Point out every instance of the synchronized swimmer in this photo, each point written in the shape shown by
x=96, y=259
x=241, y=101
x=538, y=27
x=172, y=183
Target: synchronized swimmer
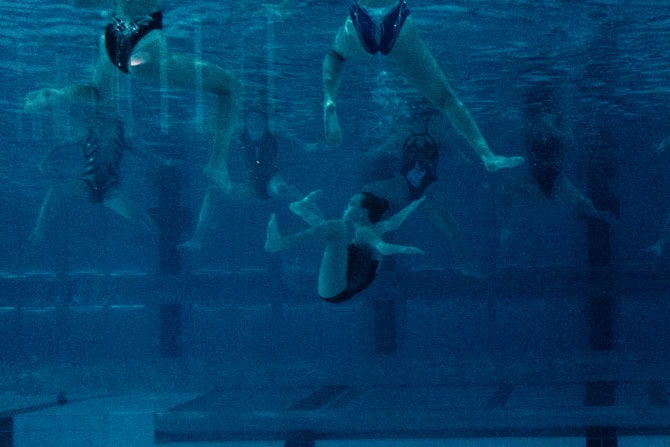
x=133, y=44
x=386, y=27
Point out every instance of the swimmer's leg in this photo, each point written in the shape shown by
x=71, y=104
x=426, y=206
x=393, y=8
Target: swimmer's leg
x=333, y=268
x=204, y=221
x=331, y=71
x=569, y=194
x=273, y=241
x=129, y=210
x=38, y=230
x=227, y=112
x=421, y=69
x=345, y=47
x=192, y=73
x=54, y=196
x=307, y=209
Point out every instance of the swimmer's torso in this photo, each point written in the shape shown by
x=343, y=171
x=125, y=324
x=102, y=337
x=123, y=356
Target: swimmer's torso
x=102, y=151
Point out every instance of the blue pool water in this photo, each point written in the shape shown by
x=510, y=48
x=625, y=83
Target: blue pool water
x=526, y=289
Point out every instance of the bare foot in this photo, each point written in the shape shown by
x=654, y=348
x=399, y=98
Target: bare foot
x=307, y=209
x=495, y=162
x=332, y=124
x=272, y=236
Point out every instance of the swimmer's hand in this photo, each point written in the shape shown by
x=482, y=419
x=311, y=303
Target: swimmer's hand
x=307, y=209
x=496, y=162
x=412, y=251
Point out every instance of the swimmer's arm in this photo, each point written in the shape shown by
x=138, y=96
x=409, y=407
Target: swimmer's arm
x=368, y=236
x=396, y=220
x=37, y=100
x=387, y=249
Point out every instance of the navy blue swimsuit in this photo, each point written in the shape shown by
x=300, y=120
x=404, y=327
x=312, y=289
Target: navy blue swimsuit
x=260, y=156
x=418, y=163
x=123, y=34
x=378, y=35
x=102, y=153
x=544, y=158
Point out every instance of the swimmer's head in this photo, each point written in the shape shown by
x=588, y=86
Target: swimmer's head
x=365, y=208
x=374, y=205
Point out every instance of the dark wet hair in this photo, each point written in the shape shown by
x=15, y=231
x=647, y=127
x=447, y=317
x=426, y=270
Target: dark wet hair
x=375, y=205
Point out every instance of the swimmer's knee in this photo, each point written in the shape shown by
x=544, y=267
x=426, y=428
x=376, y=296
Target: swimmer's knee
x=446, y=100
x=332, y=63
x=336, y=55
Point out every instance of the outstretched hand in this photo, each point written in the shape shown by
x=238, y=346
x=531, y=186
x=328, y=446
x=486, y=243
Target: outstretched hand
x=495, y=162
x=387, y=249
x=412, y=251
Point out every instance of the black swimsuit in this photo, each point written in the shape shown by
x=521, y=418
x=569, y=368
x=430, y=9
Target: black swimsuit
x=123, y=34
x=361, y=271
x=260, y=156
x=102, y=152
x=545, y=161
x=418, y=163
x=378, y=34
